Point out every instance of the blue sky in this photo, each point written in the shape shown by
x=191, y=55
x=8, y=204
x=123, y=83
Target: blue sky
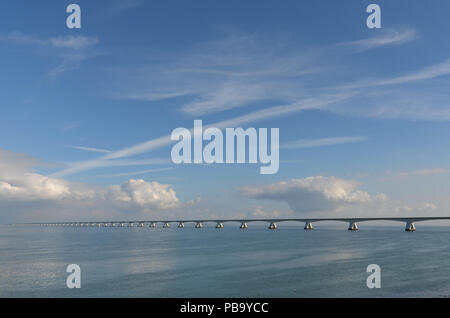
x=371, y=135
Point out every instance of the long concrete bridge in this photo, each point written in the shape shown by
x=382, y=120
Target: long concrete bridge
x=273, y=223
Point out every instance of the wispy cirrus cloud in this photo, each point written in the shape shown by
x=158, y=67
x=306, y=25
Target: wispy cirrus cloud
x=429, y=72
x=233, y=64
x=74, y=42
x=90, y=149
x=72, y=50
x=387, y=38
x=259, y=115
x=240, y=70
x=321, y=142
x=136, y=173
x=421, y=172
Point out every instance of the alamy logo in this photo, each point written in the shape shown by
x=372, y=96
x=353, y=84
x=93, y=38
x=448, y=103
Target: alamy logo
x=74, y=279
x=374, y=279
x=241, y=146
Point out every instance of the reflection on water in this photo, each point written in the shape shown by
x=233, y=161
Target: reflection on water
x=288, y=262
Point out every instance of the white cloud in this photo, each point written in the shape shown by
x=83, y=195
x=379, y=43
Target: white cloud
x=422, y=172
x=25, y=192
x=311, y=194
x=389, y=37
x=91, y=149
x=238, y=70
x=145, y=194
x=218, y=84
x=226, y=96
x=72, y=50
x=216, y=76
x=73, y=167
x=135, y=173
x=263, y=114
x=319, y=196
x=35, y=187
x=311, y=143
x=426, y=73
x=72, y=42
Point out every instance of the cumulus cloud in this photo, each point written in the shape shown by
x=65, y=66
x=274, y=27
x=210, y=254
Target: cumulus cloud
x=32, y=186
x=29, y=194
x=143, y=193
x=19, y=181
x=310, y=194
x=320, y=196
x=36, y=187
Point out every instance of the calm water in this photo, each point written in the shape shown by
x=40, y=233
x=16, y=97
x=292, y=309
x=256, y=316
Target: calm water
x=288, y=262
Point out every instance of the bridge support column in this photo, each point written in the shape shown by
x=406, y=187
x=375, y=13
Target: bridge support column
x=219, y=225
x=273, y=226
x=199, y=225
x=181, y=225
x=153, y=224
x=244, y=226
x=166, y=225
x=308, y=226
x=410, y=227
x=130, y=224
x=122, y=224
x=353, y=226
x=141, y=225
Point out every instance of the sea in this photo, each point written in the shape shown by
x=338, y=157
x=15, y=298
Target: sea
x=229, y=262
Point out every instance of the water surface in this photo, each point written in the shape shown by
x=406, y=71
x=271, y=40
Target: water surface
x=208, y=262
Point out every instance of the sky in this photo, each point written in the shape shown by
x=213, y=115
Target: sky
x=86, y=114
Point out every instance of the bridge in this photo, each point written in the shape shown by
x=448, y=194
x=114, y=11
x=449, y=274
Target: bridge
x=273, y=223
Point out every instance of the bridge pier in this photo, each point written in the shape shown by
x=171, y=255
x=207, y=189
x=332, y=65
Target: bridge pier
x=199, y=225
x=153, y=224
x=410, y=227
x=219, y=225
x=308, y=226
x=273, y=226
x=353, y=226
x=166, y=225
x=181, y=225
x=130, y=224
x=244, y=226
